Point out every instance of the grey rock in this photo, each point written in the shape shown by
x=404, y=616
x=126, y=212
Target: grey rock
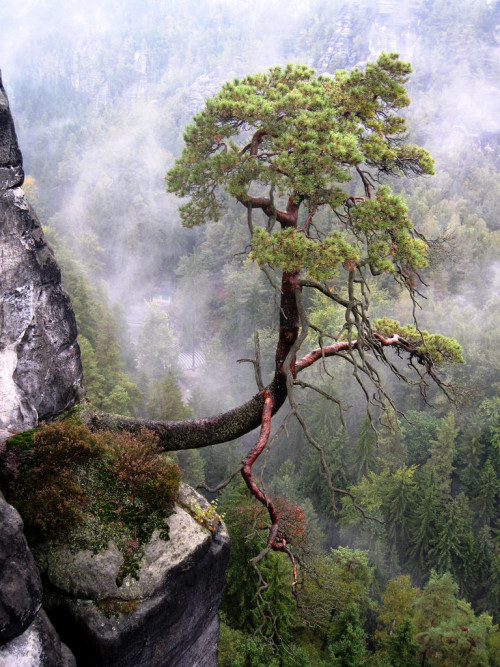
x=40, y=366
x=175, y=619
x=20, y=584
x=11, y=161
x=38, y=646
x=93, y=576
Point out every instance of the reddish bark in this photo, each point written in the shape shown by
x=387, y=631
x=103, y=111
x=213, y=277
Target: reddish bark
x=289, y=321
x=250, y=459
x=273, y=542
x=286, y=218
x=330, y=350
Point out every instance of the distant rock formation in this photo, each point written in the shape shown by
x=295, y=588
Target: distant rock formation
x=40, y=367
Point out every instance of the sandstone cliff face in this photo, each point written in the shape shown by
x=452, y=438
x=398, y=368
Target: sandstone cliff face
x=167, y=617
x=27, y=638
x=40, y=368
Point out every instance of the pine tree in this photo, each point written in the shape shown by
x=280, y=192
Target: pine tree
x=348, y=644
x=423, y=522
x=442, y=455
x=364, y=450
x=400, y=648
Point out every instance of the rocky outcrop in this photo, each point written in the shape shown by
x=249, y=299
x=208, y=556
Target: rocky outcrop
x=38, y=646
x=20, y=585
x=166, y=617
x=11, y=161
x=27, y=638
x=40, y=368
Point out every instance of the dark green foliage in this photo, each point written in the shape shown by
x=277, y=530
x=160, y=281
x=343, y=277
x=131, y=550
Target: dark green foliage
x=448, y=631
x=237, y=649
x=364, y=451
x=348, y=644
x=165, y=401
x=158, y=349
x=400, y=648
x=419, y=428
x=247, y=527
x=424, y=521
x=442, y=456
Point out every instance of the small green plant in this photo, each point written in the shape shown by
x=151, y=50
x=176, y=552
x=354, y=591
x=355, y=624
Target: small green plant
x=89, y=488
x=206, y=516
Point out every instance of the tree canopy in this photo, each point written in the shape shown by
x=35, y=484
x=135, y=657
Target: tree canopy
x=304, y=136
x=311, y=154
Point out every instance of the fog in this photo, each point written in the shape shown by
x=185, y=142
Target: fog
x=101, y=92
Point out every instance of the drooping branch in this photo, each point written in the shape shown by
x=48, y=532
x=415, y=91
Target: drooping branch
x=250, y=459
x=273, y=542
x=335, y=348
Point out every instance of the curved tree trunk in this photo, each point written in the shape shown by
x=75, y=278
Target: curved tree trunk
x=195, y=433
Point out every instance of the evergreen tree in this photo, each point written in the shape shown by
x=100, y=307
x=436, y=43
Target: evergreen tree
x=442, y=455
x=424, y=521
x=397, y=605
x=364, y=450
x=400, y=647
x=165, y=401
x=398, y=504
x=158, y=348
x=454, y=548
x=348, y=644
x=485, y=501
x=448, y=631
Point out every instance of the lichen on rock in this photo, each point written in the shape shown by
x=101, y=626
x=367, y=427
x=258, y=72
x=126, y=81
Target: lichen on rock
x=167, y=616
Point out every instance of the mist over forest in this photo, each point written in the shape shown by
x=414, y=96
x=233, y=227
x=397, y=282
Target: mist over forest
x=101, y=93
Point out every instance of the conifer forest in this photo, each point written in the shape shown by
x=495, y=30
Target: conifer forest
x=289, y=213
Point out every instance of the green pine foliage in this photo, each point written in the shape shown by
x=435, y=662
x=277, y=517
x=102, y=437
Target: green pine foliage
x=348, y=643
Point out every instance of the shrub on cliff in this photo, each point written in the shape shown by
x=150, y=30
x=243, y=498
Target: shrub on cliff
x=89, y=488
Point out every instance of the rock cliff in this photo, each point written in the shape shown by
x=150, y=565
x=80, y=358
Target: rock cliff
x=27, y=637
x=169, y=616
x=40, y=368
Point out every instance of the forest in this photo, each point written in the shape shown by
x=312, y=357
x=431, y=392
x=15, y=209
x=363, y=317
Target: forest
x=169, y=315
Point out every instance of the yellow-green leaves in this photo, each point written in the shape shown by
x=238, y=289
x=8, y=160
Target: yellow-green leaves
x=309, y=134
x=384, y=223
x=291, y=250
x=438, y=347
